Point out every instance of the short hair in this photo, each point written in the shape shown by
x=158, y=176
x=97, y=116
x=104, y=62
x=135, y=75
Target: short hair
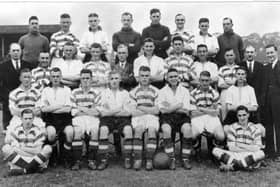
x=202, y=45
x=172, y=70
x=25, y=70
x=33, y=18
x=148, y=40
x=93, y=15
x=96, y=45
x=144, y=68
x=271, y=45
x=228, y=49
x=69, y=43
x=203, y=20
x=205, y=74
x=241, y=68
x=55, y=69
x=154, y=10
x=242, y=107
x=114, y=71
x=65, y=15
x=122, y=46
x=177, y=38
x=14, y=43
x=27, y=111
x=228, y=19
x=127, y=14
x=86, y=71
x=179, y=15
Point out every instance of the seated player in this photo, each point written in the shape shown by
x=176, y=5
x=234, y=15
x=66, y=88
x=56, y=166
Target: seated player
x=56, y=106
x=99, y=68
x=174, y=104
x=69, y=65
x=41, y=74
x=155, y=63
x=181, y=62
x=244, y=144
x=144, y=118
x=85, y=100
x=115, y=114
x=23, y=97
x=24, y=148
x=204, y=114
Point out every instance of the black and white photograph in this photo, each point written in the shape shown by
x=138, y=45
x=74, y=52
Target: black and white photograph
x=140, y=93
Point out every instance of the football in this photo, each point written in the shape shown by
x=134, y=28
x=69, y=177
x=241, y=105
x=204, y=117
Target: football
x=161, y=160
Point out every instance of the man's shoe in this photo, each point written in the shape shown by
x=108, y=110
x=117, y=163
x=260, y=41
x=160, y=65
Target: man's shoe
x=187, y=164
x=103, y=165
x=226, y=168
x=92, y=165
x=76, y=166
x=277, y=159
x=127, y=163
x=149, y=165
x=172, y=164
x=66, y=164
x=15, y=172
x=137, y=165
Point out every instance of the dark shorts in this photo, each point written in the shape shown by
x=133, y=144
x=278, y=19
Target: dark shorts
x=175, y=120
x=115, y=123
x=58, y=121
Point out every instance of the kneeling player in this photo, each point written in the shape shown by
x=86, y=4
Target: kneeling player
x=144, y=118
x=174, y=104
x=85, y=122
x=244, y=143
x=115, y=116
x=205, y=111
x=24, y=150
x=56, y=107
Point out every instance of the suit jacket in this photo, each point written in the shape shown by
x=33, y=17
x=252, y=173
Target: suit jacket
x=9, y=78
x=128, y=80
x=255, y=78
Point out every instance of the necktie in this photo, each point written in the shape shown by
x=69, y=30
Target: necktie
x=251, y=67
x=17, y=65
x=122, y=65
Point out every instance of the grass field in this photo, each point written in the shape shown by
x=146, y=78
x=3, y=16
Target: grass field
x=202, y=174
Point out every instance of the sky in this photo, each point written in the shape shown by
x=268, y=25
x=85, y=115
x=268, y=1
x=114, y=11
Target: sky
x=248, y=17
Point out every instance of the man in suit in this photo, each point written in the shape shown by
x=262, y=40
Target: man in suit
x=9, y=79
x=125, y=67
x=272, y=102
x=254, y=73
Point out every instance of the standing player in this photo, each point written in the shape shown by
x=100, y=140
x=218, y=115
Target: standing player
x=174, y=104
x=205, y=104
x=24, y=97
x=144, y=118
x=85, y=122
x=24, y=148
x=99, y=68
x=41, y=74
x=115, y=114
x=181, y=62
x=244, y=143
x=56, y=107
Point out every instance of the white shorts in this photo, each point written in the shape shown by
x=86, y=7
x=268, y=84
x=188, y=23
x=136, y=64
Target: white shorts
x=146, y=121
x=16, y=121
x=86, y=123
x=208, y=122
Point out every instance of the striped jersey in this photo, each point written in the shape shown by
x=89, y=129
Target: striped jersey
x=59, y=39
x=85, y=99
x=23, y=99
x=40, y=77
x=32, y=137
x=184, y=66
x=145, y=96
x=201, y=98
x=227, y=73
x=250, y=135
x=99, y=69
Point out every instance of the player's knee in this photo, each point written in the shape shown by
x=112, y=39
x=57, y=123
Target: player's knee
x=51, y=133
x=138, y=131
x=104, y=132
x=152, y=132
x=166, y=129
x=94, y=134
x=69, y=133
x=127, y=131
x=226, y=129
x=78, y=133
x=47, y=150
x=219, y=133
x=186, y=130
